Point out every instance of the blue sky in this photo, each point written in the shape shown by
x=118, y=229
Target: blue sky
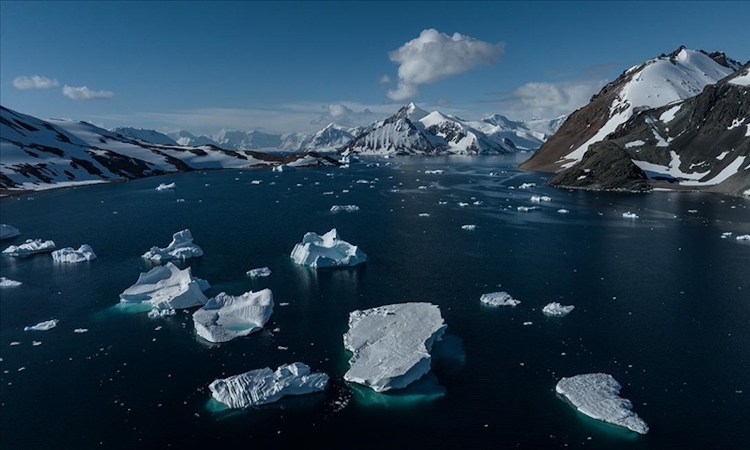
x=287, y=66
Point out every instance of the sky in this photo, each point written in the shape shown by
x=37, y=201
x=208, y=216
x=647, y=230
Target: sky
x=294, y=67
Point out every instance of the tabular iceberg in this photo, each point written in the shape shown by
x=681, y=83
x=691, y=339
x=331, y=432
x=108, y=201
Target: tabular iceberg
x=225, y=317
x=556, y=309
x=498, y=299
x=326, y=251
x=29, y=248
x=391, y=344
x=181, y=247
x=8, y=231
x=42, y=326
x=167, y=287
x=596, y=395
x=70, y=255
x=262, y=386
x=6, y=283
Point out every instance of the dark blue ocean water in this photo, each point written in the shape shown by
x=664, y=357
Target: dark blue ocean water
x=662, y=304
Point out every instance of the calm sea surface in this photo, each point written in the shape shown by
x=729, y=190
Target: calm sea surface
x=662, y=303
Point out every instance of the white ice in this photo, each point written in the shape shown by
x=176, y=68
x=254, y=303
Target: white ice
x=259, y=272
x=181, y=247
x=29, y=248
x=164, y=186
x=344, y=208
x=538, y=198
x=42, y=326
x=629, y=215
x=470, y=227
x=226, y=317
x=744, y=237
x=326, y=251
x=527, y=208
x=6, y=283
x=157, y=313
x=556, y=309
x=71, y=255
x=167, y=287
x=498, y=299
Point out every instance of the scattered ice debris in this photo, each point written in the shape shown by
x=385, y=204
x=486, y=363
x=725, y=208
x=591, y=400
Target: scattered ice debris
x=36, y=343
x=435, y=172
x=537, y=199
x=283, y=168
x=30, y=247
x=424, y=214
x=259, y=272
x=226, y=317
x=527, y=208
x=498, y=299
x=463, y=204
x=167, y=287
x=596, y=395
x=81, y=330
x=629, y=215
x=563, y=211
x=744, y=237
x=70, y=255
x=440, y=202
x=556, y=309
x=262, y=386
x=42, y=326
x=180, y=200
x=391, y=344
x=527, y=185
x=8, y=231
x=726, y=235
x=326, y=251
x=181, y=247
x=344, y=208
x=469, y=227
x=528, y=323
x=164, y=186
x=7, y=283
x=157, y=313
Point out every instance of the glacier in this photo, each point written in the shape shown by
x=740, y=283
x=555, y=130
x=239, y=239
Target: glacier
x=556, y=309
x=42, y=326
x=167, y=287
x=327, y=251
x=8, y=231
x=181, y=247
x=70, y=255
x=226, y=317
x=498, y=299
x=30, y=247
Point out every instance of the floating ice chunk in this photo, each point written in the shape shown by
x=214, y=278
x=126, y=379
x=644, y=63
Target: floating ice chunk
x=498, y=299
x=478, y=202
x=81, y=330
x=259, y=272
x=726, y=234
x=424, y=214
x=181, y=247
x=527, y=185
x=629, y=215
x=7, y=283
x=556, y=309
x=70, y=255
x=14, y=343
x=391, y=344
x=283, y=168
x=326, y=251
x=167, y=287
x=596, y=395
x=470, y=227
x=363, y=182
x=435, y=172
x=744, y=237
x=42, y=326
x=164, y=186
x=537, y=198
x=262, y=386
x=692, y=211
x=328, y=193
x=563, y=211
x=463, y=204
x=226, y=317
x=526, y=324
x=29, y=248
x=256, y=181
x=344, y=208
x=36, y=343
x=157, y=313
x=527, y=208
x=8, y=231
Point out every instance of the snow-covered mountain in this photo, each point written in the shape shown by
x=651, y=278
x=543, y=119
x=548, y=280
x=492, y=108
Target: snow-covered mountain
x=655, y=83
x=248, y=140
x=330, y=138
x=187, y=139
x=145, y=135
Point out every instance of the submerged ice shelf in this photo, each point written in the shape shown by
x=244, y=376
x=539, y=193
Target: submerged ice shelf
x=226, y=317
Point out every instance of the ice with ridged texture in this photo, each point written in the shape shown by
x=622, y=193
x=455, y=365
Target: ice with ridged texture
x=42, y=326
x=6, y=283
x=499, y=299
x=391, y=344
x=181, y=247
x=226, y=317
x=556, y=309
x=327, y=251
x=262, y=386
x=344, y=208
x=164, y=186
x=597, y=396
x=167, y=287
x=71, y=255
x=8, y=231
x=30, y=247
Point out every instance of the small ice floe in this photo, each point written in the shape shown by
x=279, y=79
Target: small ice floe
x=326, y=251
x=727, y=234
x=8, y=283
x=164, y=186
x=478, y=202
x=344, y=208
x=328, y=193
x=180, y=200
x=692, y=211
x=281, y=347
x=424, y=214
x=597, y=396
x=284, y=304
x=556, y=309
x=469, y=227
x=262, y=386
x=526, y=324
x=256, y=182
x=463, y=204
x=42, y=326
x=527, y=185
x=498, y=299
x=157, y=313
x=259, y=272
x=629, y=215
x=440, y=202
x=538, y=198
x=435, y=172
x=8, y=231
x=345, y=191
x=81, y=330
x=181, y=247
x=36, y=343
x=283, y=168
x=527, y=208
x=167, y=287
x=363, y=182
x=71, y=255
x=226, y=317
x=744, y=237
x=30, y=247
x=563, y=211
x=14, y=343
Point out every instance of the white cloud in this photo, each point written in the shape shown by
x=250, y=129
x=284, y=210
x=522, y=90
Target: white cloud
x=84, y=93
x=433, y=56
x=548, y=99
x=343, y=115
x=384, y=79
x=34, y=82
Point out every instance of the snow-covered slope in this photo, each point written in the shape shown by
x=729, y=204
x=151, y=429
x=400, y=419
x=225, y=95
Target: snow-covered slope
x=185, y=138
x=330, y=138
x=151, y=136
x=248, y=140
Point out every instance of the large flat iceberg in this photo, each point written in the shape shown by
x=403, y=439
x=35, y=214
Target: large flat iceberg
x=596, y=395
x=225, y=317
x=71, y=255
x=262, y=386
x=327, y=251
x=391, y=344
x=30, y=247
x=8, y=231
x=167, y=287
x=181, y=247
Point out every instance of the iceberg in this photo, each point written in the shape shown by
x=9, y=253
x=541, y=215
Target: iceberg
x=391, y=344
x=596, y=395
x=167, y=287
x=542, y=198
x=164, y=186
x=629, y=215
x=70, y=255
x=744, y=237
x=225, y=317
x=469, y=227
x=8, y=231
x=181, y=247
x=6, y=283
x=556, y=309
x=260, y=272
x=344, y=208
x=563, y=211
x=326, y=251
x=498, y=299
x=29, y=248
x=81, y=330
x=527, y=185
x=726, y=234
x=42, y=326
x=283, y=168
x=263, y=386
